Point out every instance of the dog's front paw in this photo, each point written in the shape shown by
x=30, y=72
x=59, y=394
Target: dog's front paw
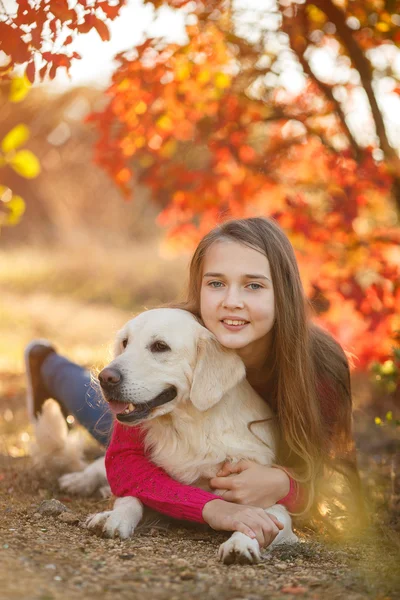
x=110, y=524
x=119, y=522
x=239, y=549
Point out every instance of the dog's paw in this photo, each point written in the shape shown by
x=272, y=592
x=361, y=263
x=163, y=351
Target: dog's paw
x=78, y=484
x=110, y=524
x=239, y=549
x=105, y=491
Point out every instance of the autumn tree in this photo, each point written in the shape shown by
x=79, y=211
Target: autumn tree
x=216, y=128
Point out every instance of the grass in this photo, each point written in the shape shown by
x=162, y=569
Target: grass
x=78, y=297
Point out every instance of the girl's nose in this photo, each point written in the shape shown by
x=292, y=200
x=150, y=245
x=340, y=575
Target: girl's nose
x=232, y=299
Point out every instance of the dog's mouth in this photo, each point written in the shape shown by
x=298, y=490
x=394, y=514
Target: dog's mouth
x=129, y=412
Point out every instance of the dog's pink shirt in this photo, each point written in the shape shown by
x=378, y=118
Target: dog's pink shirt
x=131, y=473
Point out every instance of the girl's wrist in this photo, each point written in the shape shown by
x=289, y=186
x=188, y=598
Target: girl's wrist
x=283, y=483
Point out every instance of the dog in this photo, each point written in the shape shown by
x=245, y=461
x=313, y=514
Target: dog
x=191, y=397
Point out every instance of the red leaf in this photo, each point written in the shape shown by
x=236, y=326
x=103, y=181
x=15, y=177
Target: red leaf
x=110, y=11
x=102, y=30
x=53, y=26
x=87, y=24
x=30, y=71
x=60, y=9
x=53, y=71
x=43, y=71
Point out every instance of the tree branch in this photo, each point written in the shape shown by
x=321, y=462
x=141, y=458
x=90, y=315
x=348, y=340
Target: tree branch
x=363, y=66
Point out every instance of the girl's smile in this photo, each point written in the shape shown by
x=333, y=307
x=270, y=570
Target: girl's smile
x=237, y=299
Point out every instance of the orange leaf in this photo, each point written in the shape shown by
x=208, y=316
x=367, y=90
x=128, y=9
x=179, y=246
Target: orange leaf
x=102, y=30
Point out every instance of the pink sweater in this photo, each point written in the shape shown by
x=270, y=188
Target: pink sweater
x=131, y=473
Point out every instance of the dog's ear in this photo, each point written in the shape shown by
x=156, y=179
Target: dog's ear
x=217, y=371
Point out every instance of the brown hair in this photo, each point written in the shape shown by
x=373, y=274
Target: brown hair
x=309, y=375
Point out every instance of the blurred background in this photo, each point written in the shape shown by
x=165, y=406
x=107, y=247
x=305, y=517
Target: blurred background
x=130, y=128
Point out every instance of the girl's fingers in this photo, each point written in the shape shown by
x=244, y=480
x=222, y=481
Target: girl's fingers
x=221, y=483
x=228, y=468
x=246, y=530
x=276, y=521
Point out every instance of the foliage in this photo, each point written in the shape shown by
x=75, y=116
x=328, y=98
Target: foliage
x=22, y=161
x=387, y=374
x=39, y=34
x=214, y=131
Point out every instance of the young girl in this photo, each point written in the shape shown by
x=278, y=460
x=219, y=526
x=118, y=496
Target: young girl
x=245, y=287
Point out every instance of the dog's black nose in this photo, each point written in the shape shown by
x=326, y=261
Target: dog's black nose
x=109, y=378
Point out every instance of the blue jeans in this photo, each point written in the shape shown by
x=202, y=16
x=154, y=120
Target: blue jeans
x=72, y=386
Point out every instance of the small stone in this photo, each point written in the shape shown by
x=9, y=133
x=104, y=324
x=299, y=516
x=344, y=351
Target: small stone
x=52, y=507
x=37, y=515
x=181, y=562
x=50, y=566
x=69, y=517
x=186, y=575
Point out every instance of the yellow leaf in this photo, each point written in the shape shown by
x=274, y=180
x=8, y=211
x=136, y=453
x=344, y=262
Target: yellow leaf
x=382, y=26
x=378, y=421
x=203, y=76
x=165, y=123
x=222, y=81
x=182, y=72
x=140, y=108
x=168, y=149
x=388, y=367
x=16, y=207
x=15, y=138
x=146, y=161
x=389, y=416
x=25, y=163
x=140, y=141
x=19, y=88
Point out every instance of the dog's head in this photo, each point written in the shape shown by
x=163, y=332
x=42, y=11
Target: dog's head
x=164, y=358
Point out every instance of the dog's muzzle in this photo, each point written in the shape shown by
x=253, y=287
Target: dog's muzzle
x=144, y=409
x=110, y=380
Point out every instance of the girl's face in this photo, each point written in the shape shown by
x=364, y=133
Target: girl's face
x=237, y=299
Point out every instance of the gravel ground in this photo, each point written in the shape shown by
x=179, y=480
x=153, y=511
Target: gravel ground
x=44, y=558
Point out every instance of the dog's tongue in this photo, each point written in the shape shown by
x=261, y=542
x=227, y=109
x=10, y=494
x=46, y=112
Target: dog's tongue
x=118, y=407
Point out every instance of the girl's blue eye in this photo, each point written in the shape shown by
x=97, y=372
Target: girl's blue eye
x=257, y=286
x=215, y=284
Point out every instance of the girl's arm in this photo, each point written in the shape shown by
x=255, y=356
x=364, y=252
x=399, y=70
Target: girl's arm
x=131, y=473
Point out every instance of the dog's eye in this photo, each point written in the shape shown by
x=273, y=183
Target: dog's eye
x=125, y=343
x=159, y=346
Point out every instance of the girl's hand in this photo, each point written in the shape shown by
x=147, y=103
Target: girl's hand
x=250, y=520
x=247, y=482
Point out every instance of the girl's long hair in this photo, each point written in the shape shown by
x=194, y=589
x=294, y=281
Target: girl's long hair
x=308, y=370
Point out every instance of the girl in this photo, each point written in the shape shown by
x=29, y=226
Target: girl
x=245, y=287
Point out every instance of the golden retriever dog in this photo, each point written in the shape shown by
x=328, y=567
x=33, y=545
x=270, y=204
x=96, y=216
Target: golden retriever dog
x=191, y=396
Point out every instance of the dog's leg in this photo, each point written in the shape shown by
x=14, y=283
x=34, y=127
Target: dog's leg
x=86, y=482
x=286, y=535
x=120, y=522
x=242, y=549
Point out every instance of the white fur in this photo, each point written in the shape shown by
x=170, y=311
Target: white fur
x=194, y=434
x=56, y=449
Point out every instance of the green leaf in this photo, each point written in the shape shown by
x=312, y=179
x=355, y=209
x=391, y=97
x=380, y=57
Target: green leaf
x=15, y=138
x=26, y=164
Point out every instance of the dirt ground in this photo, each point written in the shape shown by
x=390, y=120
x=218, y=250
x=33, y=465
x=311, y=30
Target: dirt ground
x=43, y=558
